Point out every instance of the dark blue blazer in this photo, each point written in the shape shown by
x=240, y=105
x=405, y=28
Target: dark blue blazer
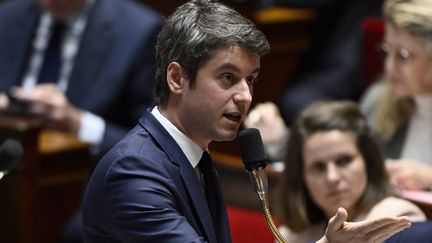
x=113, y=73
x=419, y=232
x=145, y=190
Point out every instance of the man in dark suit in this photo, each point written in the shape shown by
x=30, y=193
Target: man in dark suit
x=99, y=80
x=158, y=183
x=105, y=78
x=148, y=187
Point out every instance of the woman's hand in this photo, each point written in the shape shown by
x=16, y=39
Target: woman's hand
x=375, y=230
x=412, y=175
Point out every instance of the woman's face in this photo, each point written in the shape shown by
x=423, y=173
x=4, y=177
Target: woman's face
x=334, y=170
x=408, y=64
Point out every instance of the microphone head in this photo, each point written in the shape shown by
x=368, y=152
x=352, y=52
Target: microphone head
x=10, y=152
x=252, y=149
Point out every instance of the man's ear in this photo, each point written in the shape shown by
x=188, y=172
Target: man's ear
x=176, y=78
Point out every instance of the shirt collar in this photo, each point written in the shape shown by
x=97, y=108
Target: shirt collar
x=192, y=150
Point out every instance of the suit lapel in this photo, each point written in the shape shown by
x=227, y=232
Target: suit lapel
x=187, y=173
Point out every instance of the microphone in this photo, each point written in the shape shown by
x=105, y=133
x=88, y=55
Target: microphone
x=10, y=152
x=255, y=160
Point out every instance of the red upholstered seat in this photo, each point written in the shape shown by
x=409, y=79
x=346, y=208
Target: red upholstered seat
x=248, y=226
x=373, y=33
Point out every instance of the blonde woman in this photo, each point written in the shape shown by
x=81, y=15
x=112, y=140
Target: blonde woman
x=400, y=107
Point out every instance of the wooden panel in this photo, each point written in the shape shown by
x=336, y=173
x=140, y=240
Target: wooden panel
x=46, y=188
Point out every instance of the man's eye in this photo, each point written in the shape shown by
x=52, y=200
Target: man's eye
x=228, y=77
x=251, y=81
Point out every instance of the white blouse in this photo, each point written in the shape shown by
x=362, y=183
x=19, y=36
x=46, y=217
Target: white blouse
x=418, y=141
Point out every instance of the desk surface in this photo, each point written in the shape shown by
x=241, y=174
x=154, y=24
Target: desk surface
x=50, y=141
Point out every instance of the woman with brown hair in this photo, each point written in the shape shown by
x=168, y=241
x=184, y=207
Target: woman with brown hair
x=333, y=161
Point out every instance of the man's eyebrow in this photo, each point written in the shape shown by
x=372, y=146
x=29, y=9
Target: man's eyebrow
x=234, y=68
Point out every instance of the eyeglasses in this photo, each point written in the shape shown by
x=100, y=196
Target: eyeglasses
x=402, y=55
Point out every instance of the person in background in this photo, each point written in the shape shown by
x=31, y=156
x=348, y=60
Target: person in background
x=267, y=118
x=399, y=107
x=333, y=161
x=331, y=68
x=152, y=185
x=85, y=67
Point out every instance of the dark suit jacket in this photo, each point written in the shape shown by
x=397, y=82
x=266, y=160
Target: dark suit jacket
x=113, y=72
x=145, y=190
x=419, y=232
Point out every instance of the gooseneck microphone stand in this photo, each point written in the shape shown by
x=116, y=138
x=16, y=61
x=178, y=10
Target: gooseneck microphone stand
x=255, y=161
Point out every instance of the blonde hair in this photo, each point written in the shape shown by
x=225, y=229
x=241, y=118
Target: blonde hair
x=391, y=113
x=414, y=16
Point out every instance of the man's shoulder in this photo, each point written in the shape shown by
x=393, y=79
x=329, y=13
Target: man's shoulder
x=127, y=10
x=10, y=9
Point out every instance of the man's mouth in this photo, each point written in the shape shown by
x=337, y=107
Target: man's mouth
x=233, y=116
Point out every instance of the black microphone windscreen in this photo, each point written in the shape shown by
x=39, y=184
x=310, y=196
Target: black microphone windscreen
x=252, y=149
x=10, y=152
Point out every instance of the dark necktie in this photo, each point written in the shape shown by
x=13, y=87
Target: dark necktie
x=211, y=187
x=50, y=70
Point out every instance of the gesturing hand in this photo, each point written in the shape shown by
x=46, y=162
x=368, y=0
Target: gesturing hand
x=374, y=230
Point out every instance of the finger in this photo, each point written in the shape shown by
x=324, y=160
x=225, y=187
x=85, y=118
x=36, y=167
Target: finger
x=39, y=108
x=254, y=117
x=269, y=108
x=368, y=226
x=39, y=93
x=4, y=101
x=337, y=221
x=392, y=167
x=385, y=231
x=382, y=236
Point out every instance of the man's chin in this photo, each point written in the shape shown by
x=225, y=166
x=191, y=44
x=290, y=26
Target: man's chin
x=226, y=136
